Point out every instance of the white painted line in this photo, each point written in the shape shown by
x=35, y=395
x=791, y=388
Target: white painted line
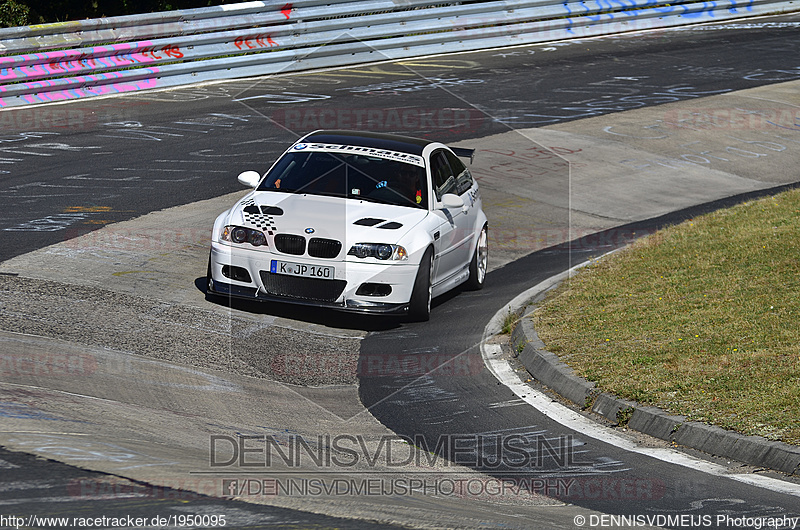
x=244, y=5
x=571, y=419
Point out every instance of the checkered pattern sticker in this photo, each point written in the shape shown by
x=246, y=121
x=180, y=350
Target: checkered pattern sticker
x=253, y=216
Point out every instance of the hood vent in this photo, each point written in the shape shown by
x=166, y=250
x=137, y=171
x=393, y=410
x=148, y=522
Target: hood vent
x=265, y=210
x=369, y=221
x=271, y=210
x=372, y=221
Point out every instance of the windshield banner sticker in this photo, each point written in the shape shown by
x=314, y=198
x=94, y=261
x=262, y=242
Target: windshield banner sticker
x=367, y=151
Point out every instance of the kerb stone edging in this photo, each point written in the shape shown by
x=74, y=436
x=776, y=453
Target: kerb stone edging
x=548, y=369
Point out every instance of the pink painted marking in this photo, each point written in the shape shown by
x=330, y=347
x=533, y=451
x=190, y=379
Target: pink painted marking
x=66, y=61
x=76, y=93
x=7, y=72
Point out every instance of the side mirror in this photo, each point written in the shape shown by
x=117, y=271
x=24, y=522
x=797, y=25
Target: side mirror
x=250, y=178
x=451, y=201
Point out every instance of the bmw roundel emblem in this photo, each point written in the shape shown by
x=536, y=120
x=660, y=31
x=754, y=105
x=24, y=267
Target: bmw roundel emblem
x=300, y=146
x=309, y=230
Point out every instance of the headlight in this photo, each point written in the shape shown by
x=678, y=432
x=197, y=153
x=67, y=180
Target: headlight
x=384, y=251
x=379, y=251
x=239, y=234
x=258, y=238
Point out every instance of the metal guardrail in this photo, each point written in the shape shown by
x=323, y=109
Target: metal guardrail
x=61, y=61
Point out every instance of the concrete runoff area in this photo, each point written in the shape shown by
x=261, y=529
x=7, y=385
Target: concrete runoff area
x=172, y=425
x=154, y=370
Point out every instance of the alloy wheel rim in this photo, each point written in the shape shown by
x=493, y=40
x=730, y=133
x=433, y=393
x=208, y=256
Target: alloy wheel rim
x=483, y=256
x=430, y=284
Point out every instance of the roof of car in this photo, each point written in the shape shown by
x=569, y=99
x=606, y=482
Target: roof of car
x=391, y=142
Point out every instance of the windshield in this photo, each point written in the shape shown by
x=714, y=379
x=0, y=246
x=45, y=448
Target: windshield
x=353, y=176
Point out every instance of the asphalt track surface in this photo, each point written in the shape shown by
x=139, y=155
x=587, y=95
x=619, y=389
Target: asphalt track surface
x=61, y=183
x=464, y=411
x=67, y=169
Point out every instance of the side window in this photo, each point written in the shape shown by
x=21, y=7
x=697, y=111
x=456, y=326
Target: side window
x=443, y=179
x=463, y=177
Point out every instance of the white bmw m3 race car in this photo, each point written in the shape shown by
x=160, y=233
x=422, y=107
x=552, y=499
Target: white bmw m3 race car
x=355, y=221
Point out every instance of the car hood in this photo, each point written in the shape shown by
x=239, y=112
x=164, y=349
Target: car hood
x=347, y=220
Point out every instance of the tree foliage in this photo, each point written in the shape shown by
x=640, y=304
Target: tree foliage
x=27, y=12
x=13, y=14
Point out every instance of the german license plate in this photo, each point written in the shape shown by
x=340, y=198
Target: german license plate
x=301, y=269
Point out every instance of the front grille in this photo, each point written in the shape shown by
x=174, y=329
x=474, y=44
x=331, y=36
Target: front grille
x=290, y=244
x=314, y=289
x=324, y=248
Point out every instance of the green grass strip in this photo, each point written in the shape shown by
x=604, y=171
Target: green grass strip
x=701, y=319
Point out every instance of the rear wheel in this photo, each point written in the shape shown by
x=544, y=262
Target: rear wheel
x=419, y=308
x=480, y=261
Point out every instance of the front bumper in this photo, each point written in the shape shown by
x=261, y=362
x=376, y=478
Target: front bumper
x=349, y=277
x=250, y=293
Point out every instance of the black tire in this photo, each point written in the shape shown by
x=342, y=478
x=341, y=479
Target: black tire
x=419, y=308
x=480, y=262
x=208, y=275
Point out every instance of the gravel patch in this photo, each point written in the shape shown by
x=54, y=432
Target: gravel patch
x=168, y=331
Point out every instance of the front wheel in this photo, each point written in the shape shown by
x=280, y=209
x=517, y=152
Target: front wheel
x=419, y=308
x=480, y=262
x=209, y=278
x=211, y=296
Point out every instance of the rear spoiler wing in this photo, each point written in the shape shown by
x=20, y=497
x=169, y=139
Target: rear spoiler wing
x=464, y=152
